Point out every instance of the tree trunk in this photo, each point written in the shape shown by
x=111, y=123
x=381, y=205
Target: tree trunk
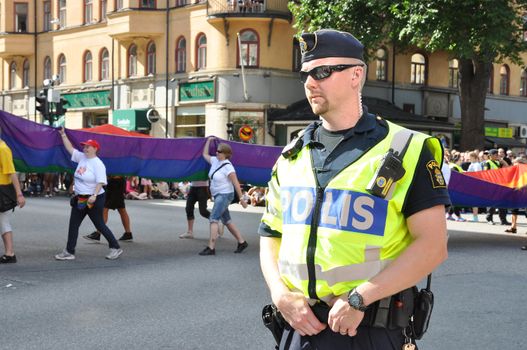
x=474, y=82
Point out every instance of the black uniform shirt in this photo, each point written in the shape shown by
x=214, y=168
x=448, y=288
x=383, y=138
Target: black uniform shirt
x=368, y=131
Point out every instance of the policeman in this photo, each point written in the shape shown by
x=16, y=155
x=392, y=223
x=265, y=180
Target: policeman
x=354, y=214
x=494, y=163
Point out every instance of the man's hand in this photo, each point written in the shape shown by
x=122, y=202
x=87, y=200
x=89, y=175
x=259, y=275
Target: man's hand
x=298, y=314
x=343, y=318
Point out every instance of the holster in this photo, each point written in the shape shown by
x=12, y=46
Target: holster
x=274, y=322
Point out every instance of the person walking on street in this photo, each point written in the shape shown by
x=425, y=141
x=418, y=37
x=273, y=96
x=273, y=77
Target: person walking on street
x=115, y=190
x=355, y=212
x=199, y=192
x=494, y=162
x=8, y=178
x=90, y=177
x=223, y=183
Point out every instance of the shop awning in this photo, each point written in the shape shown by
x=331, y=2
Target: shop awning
x=131, y=119
x=87, y=99
x=493, y=142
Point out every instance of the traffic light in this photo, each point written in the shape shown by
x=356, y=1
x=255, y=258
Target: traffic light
x=230, y=129
x=42, y=105
x=59, y=108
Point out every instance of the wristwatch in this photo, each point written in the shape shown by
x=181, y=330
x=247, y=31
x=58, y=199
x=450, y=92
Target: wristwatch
x=356, y=301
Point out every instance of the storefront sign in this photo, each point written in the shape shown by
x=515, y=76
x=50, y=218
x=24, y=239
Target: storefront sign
x=130, y=119
x=499, y=132
x=197, y=91
x=88, y=99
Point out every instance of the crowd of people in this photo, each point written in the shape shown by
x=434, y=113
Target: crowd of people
x=478, y=160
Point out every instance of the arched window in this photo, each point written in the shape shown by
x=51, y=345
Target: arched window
x=12, y=75
x=132, y=61
x=250, y=44
x=453, y=73
x=105, y=65
x=47, y=68
x=523, y=83
x=181, y=55
x=151, y=59
x=504, y=79
x=25, y=74
x=418, y=69
x=201, y=52
x=381, y=64
x=88, y=64
x=297, y=56
x=62, y=69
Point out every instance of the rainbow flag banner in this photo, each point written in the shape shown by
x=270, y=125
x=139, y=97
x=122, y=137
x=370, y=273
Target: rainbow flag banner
x=499, y=188
x=38, y=148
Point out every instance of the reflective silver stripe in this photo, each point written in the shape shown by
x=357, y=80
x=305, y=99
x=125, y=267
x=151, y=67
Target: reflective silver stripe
x=363, y=271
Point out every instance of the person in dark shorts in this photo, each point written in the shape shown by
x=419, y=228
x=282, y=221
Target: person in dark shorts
x=115, y=191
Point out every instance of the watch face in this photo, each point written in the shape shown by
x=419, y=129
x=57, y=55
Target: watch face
x=354, y=300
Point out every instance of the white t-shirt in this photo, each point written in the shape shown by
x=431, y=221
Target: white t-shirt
x=220, y=183
x=476, y=166
x=89, y=172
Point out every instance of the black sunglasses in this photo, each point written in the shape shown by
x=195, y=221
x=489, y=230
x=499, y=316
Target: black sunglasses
x=219, y=151
x=323, y=72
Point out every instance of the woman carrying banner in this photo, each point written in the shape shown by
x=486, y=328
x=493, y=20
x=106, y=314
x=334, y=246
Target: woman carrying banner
x=90, y=177
x=223, y=183
x=8, y=178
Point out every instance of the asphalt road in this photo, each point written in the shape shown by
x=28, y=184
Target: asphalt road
x=162, y=295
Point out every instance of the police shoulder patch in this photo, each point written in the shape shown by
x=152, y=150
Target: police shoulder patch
x=436, y=176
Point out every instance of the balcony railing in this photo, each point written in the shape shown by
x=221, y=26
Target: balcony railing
x=249, y=8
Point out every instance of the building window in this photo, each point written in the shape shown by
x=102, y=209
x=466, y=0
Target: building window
x=418, y=69
x=297, y=56
x=62, y=69
x=105, y=64
x=181, y=2
x=490, y=88
x=181, y=55
x=104, y=9
x=21, y=17
x=151, y=59
x=381, y=68
x=504, y=79
x=132, y=61
x=62, y=13
x=12, y=75
x=47, y=16
x=201, y=52
x=523, y=83
x=151, y=4
x=88, y=64
x=25, y=75
x=88, y=11
x=249, y=48
x=453, y=73
x=118, y=4
x=47, y=68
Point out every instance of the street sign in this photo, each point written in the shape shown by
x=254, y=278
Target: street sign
x=246, y=133
x=152, y=115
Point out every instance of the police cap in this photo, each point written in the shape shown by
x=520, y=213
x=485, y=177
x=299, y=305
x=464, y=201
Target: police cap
x=330, y=43
x=493, y=151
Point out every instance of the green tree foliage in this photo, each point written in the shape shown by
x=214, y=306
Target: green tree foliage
x=476, y=32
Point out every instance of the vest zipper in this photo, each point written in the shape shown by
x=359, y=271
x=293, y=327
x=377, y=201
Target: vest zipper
x=312, y=245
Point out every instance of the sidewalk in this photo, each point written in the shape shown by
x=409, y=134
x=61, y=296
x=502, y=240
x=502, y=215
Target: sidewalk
x=483, y=227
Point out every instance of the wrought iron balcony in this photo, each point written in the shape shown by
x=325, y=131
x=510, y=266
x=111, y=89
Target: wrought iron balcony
x=248, y=8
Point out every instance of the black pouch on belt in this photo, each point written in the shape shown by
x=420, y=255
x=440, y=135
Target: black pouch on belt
x=424, y=303
x=274, y=322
